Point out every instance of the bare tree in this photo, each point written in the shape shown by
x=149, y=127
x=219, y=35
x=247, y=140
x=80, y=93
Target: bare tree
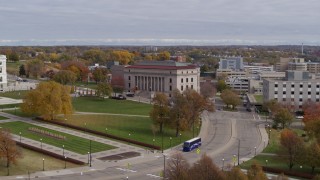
x=206, y=169
x=177, y=168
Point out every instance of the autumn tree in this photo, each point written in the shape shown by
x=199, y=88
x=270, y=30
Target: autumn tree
x=100, y=74
x=230, y=98
x=165, y=55
x=104, y=89
x=48, y=100
x=35, y=68
x=221, y=86
x=77, y=67
x=195, y=104
x=160, y=110
x=65, y=77
x=13, y=56
x=283, y=116
x=8, y=148
x=177, y=168
x=256, y=173
x=123, y=56
x=311, y=119
x=207, y=90
x=236, y=174
x=95, y=55
x=310, y=156
x=179, y=112
x=292, y=145
x=206, y=169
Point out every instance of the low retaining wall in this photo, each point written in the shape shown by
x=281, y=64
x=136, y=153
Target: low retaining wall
x=288, y=173
x=49, y=153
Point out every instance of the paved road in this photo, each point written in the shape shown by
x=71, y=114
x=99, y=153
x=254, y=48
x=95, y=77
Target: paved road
x=219, y=132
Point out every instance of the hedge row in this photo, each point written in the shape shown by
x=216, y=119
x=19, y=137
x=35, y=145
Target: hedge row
x=288, y=172
x=49, y=153
x=102, y=134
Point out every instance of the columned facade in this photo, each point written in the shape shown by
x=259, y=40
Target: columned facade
x=3, y=72
x=162, y=76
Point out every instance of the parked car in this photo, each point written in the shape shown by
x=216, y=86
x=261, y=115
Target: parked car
x=119, y=97
x=130, y=95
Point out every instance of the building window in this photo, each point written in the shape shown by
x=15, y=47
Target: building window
x=170, y=80
x=317, y=100
x=309, y=92
x=187, y=80
x=129, y=85
x=318, y=85
x=181, y=88
x=301, y=85
x=284, y=92
x=300, y=100
x=317, y=93
x=309, y=86
x=300, y=92
x=187, y=87
x=292, y=92
x=284, y=85
x=276, y=85
x=292, y=85
x=284, y=99
x=276, y=92
x=129, y=78
x=191, y=86
x=191, y=79
x=181, y=80
x=170, y=88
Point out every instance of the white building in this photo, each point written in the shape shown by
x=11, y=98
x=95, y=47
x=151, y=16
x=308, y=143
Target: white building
x=257, y=69
x=239, y=84
x=161, y=76
x=3, y=72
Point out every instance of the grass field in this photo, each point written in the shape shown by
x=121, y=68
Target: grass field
x=13, y=67
x=17, y=112
x=94, y=104
x=32, y=162
x=14, y=94
x=259, y=98
x=3, y=118
x=91, y=85
x=3, y=106
x=139, y=128
x=276, y=162
x=72, y=143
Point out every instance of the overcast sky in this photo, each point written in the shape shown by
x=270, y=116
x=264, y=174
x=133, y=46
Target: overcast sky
x=159, y=22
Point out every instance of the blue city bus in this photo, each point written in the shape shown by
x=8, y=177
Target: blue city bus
x=191, y=144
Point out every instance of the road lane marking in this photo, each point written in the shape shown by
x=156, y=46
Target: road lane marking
x=154, y=176
x=126, y=170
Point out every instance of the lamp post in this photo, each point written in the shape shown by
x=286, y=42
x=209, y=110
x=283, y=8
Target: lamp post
x=266, y=162
x=234, y=162
x=269, y=135
x=85, y=127
x=43, y=164
x=65, y=162
x=180, y=137
x=62, y=150
x=170, y=142
x=20, y=136
x=90, y=157
x=164, y=166
x=238, y=150
x=255, y=151
x=41, y=143
x=222, y=164
x=107, y=131
x=153, y=141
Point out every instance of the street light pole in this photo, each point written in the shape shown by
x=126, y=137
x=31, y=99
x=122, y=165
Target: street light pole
x=180, y=137
x=170, y=142
x=222, y=164
x=41, y=143
x=164, y=166
x=65, y=162
x=90, y=155
x=62, y=150
x=238, y=152
x=20, y=136
x=255, y=151
x=43, y=164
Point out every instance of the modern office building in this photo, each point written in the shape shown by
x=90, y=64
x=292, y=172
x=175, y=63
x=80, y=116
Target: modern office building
x=233, y=63
x=313, y=67
x=283, y=65
x=162, y=76
x=3, y=72
x=239, y=84
x=257, y=69
x=294, y=90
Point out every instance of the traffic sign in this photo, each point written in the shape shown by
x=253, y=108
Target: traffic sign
x=198, y=151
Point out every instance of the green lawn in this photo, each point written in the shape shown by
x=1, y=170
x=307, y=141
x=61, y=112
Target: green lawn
x=259, y=98
x=274, y=142
x=3, y=118
x=139, y=128
x=17, y=112
x=33, y=161
x=13, y=67
x=276, y=162
x=72, y=143
x=94, y=104
x=3, y=106
x=14, y=94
